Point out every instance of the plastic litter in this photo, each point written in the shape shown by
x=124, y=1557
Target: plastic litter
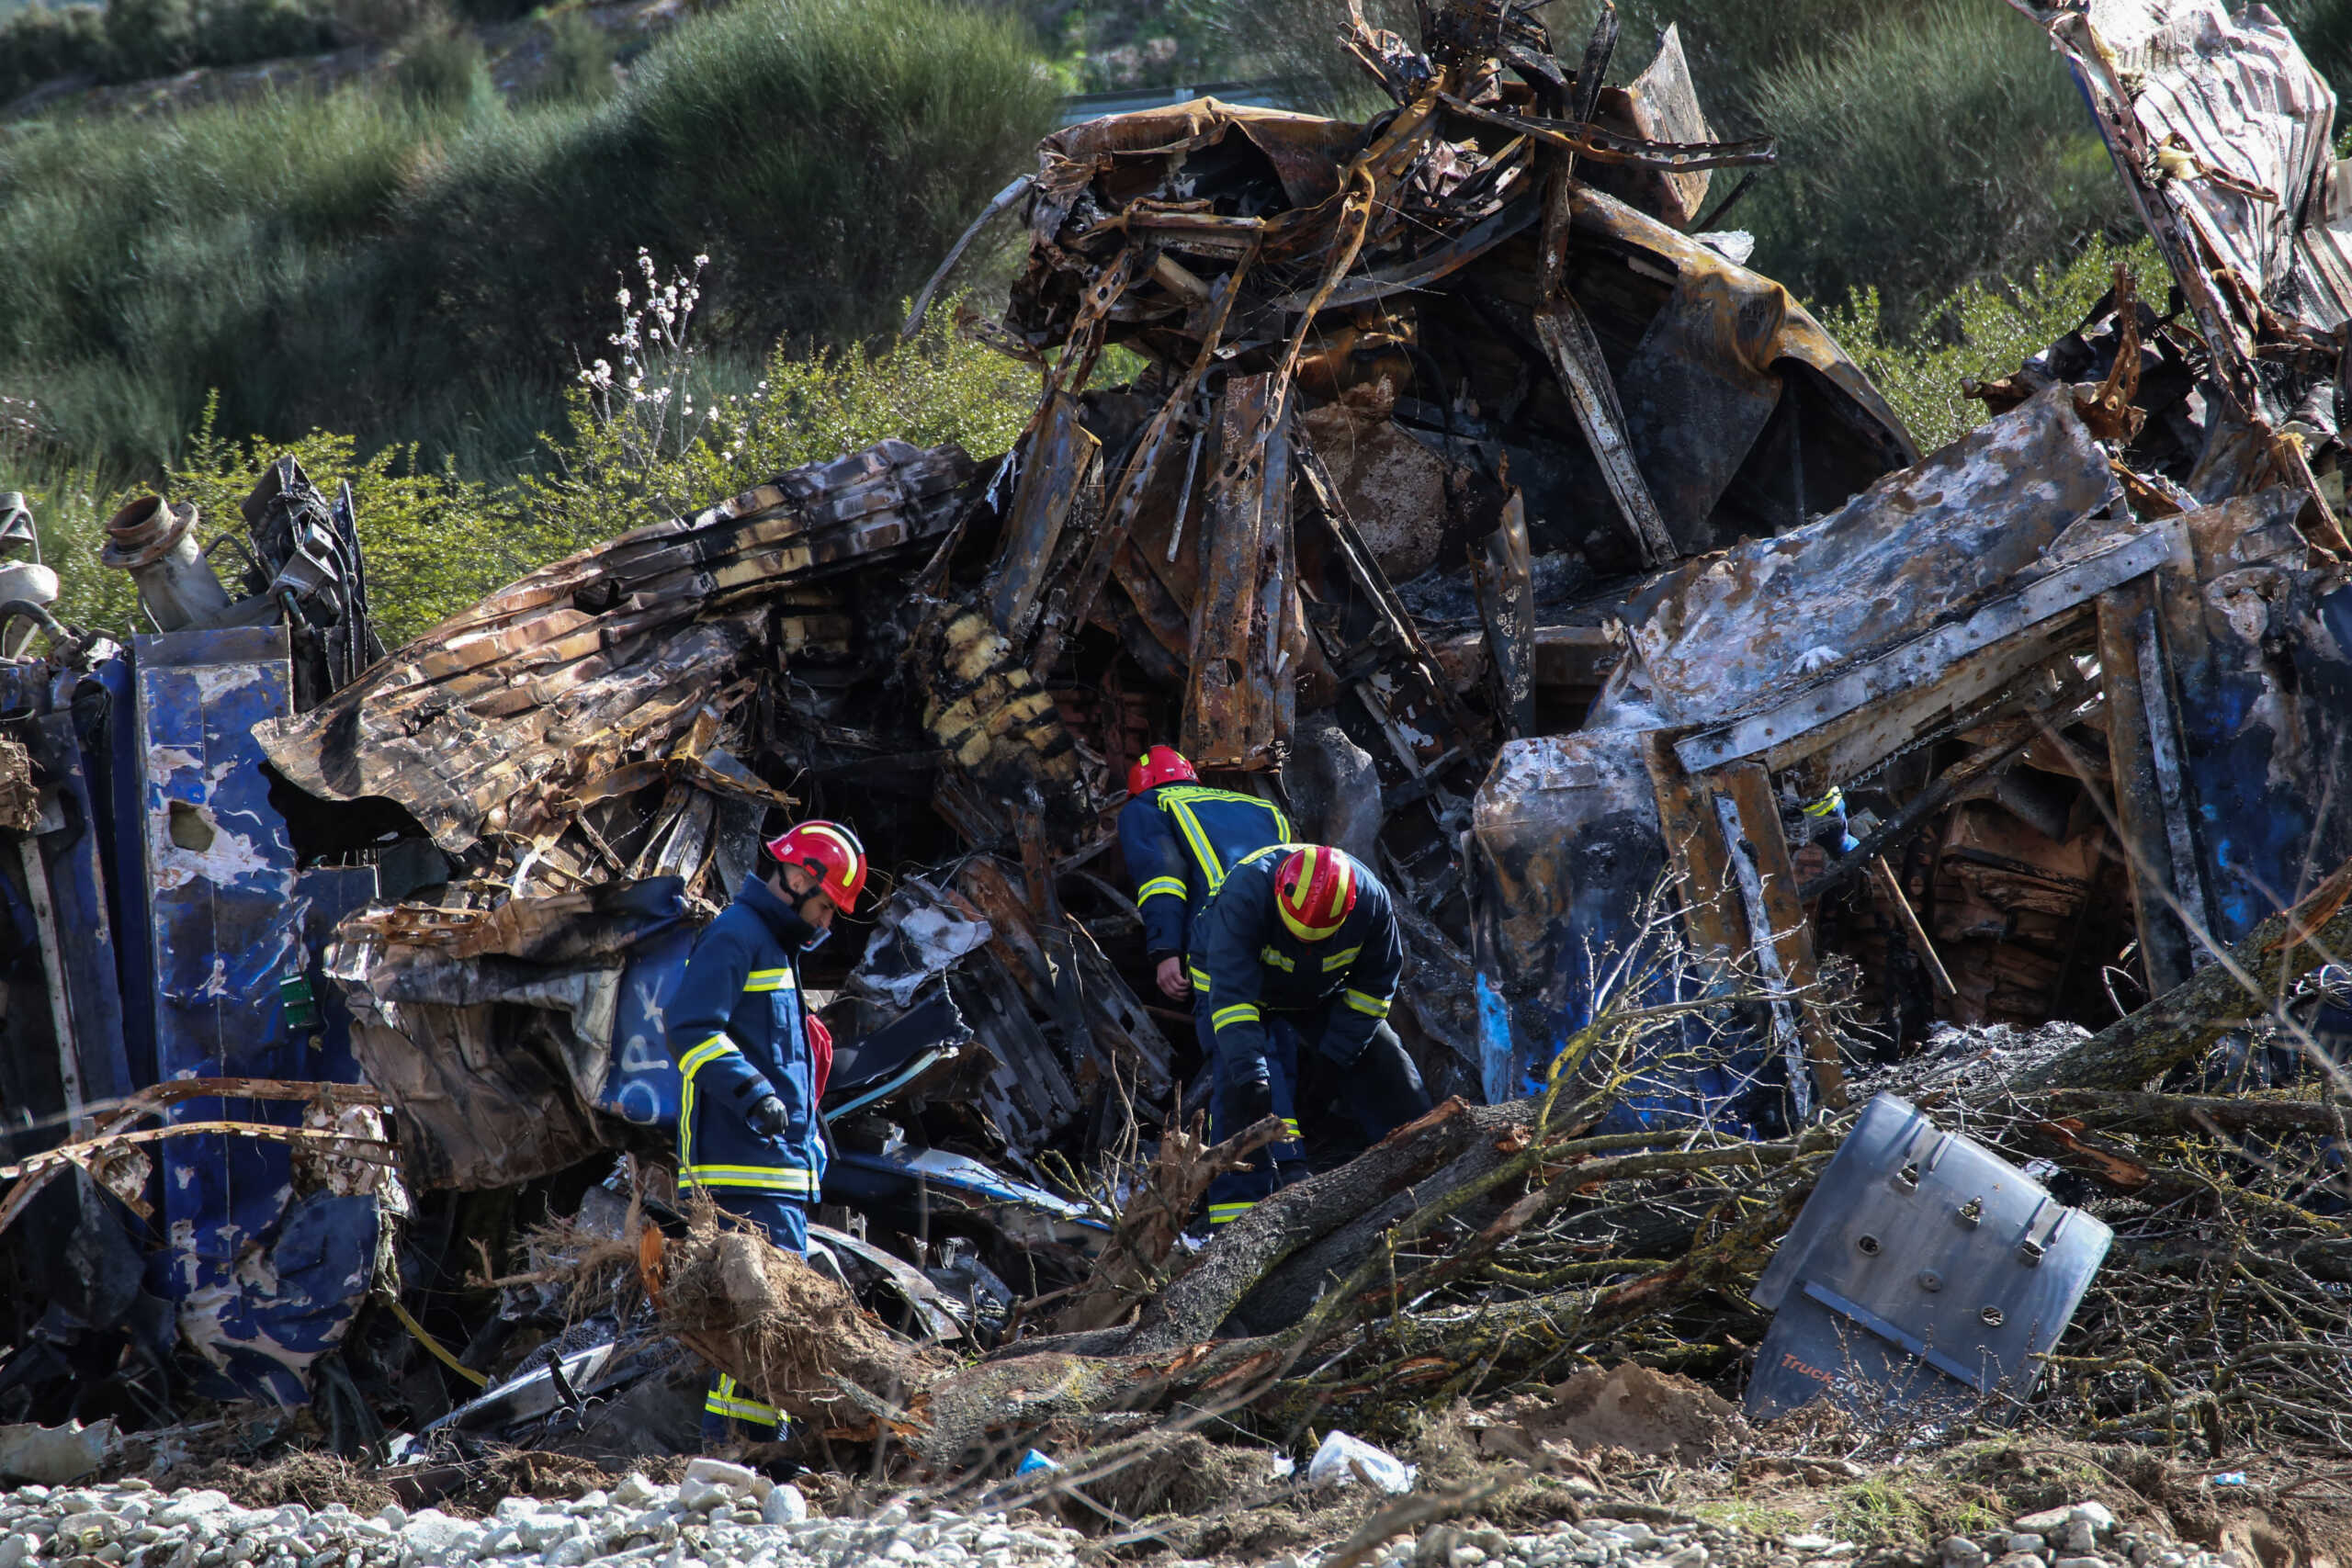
x=2230, y=1478
x=1033, y=1462
x=1342, y=1459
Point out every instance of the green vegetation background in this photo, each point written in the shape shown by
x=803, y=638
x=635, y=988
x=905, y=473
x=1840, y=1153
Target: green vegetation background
x=401, y=279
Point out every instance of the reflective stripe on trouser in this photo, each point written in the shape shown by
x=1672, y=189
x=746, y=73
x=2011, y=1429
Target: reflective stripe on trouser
x=1231, y=1193
x=729, y=1410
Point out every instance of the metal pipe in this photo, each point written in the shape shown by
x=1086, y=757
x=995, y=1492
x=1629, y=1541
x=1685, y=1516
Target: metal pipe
x=156, y=544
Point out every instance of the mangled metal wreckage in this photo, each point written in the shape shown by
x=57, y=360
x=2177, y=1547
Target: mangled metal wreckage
x=1476, y=501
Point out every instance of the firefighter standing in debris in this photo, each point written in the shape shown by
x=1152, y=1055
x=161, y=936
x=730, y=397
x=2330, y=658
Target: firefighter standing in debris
x=755, y=1060
x=1180, y=837
x=1303, y=936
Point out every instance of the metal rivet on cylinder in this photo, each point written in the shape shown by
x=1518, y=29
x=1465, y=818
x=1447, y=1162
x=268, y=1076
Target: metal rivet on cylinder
x=1930, y=1280
x=1869, y=1245
x=1992, y=1316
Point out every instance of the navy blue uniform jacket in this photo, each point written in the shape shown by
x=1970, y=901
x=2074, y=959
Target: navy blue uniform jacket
x=1246, y=962
x=1179, y=840
x=736, y=1028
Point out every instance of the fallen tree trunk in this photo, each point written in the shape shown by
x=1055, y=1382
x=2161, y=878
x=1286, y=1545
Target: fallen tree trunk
x=1246, y=1251
x=2239, y=988
x=1128, y=1268
x=2196, y=1113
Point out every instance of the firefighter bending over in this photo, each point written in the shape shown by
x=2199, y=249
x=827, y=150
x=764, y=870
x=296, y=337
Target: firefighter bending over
x=1299, y=935
x=755, y=1060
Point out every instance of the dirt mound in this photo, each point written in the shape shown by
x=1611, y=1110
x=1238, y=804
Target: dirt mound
x=1652, y=1414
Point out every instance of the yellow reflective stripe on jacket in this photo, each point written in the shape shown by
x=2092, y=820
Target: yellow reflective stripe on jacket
x=728, y=1399
x=1280, y=961
x=694, y=1061
x=1204, y=852
x=1833, y=801
x=1239, y=1012
x=769, y=980
x=1200, y=980
x=1226, y=1214
x=1341, y=959
x=1290, y=1127
x=765, y=1178
x=1371, y=1006
x=702, y=1055
x=1159, y=886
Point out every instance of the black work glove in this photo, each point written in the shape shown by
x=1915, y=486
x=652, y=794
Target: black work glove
x=1248, y=1103
x=768, y=1118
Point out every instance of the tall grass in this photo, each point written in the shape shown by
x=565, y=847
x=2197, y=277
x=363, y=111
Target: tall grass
x=1924, y=150
x=409, y=268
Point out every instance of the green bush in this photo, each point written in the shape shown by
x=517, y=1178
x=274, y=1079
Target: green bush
x=414, y=269
x=444, y=67
x=40, y=43
x=1925, y=152
x=435, y=541
x=579, y=58
x=1979, y=334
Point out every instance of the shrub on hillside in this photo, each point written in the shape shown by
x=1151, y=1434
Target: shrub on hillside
x=413, y=270
x=578, y=63
x=1979, y=334
x=435, y=542
x=128, y=40
x=1926, y=152
x=444, y=66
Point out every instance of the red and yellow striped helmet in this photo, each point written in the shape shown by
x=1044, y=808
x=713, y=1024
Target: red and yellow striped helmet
x=1314, y=889
x=828, y=851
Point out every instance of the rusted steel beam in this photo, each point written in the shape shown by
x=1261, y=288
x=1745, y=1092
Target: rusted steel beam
x=1568, y=340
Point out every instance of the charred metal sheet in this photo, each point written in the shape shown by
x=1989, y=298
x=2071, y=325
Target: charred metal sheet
x=1660, y=105
x=1568, y=864
x=1860, y=413
x=1915, y=548
x=489, y=722
x=1506, y=604
x=1699, y=390
x=499, y=1036
x=2237, y=121
x=1997, y=643
x=1059, y=459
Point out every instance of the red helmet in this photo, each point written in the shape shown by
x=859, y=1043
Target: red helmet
x=828, y=851
x=1314, y=889
x=1162, y=765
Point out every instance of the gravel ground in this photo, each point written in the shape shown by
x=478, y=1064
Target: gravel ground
x=723, y=1513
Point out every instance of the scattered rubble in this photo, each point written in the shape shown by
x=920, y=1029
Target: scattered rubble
x=1726, y=756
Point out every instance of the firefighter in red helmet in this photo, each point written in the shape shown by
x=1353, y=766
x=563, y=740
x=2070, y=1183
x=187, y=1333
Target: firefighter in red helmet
x=1300, y=944
x=754, y=1060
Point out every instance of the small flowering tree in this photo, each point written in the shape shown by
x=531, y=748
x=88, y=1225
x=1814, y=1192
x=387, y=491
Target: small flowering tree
x=642, y=411
x=650, y=436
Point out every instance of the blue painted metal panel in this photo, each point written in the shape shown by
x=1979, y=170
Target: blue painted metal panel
x=642, y=1086
x=1568, y=848
x=2264, y=672
x=264, y=1283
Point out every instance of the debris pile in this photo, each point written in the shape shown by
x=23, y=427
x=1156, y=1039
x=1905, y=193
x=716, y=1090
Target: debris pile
x=1477, y=506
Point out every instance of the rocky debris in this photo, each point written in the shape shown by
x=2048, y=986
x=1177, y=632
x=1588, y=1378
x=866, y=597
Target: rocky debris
x=719, y=1513
x=726, y=1514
